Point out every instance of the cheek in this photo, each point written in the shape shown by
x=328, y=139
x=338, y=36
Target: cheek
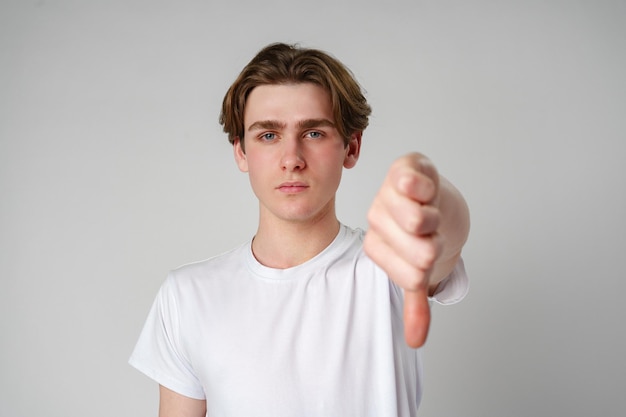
x=255, y=164
x=256, y=179
x=258, y=171
x=334, y=158
x=333, y=167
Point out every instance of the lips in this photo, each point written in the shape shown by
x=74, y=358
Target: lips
x=292, y=187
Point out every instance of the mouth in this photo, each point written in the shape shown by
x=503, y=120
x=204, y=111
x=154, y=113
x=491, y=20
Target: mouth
x=292, y=187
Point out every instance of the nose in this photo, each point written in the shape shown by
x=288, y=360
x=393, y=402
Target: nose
x=292, y=158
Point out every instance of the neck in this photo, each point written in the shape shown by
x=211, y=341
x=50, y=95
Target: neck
x=286, y=244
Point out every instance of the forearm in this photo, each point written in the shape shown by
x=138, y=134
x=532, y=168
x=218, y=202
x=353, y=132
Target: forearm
x=453, y=230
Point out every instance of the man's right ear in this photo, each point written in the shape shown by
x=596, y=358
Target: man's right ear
x=240, y=154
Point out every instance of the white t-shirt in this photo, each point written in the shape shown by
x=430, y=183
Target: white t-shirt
x=324, y=338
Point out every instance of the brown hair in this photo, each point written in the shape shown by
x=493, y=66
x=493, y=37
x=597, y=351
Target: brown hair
x=280, y=63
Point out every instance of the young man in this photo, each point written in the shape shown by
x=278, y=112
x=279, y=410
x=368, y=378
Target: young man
x=309, y=318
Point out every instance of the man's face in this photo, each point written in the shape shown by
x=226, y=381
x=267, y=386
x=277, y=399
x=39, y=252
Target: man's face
x=294, y=155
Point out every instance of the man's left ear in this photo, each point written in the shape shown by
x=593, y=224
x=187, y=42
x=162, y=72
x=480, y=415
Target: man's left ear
x=353, y=150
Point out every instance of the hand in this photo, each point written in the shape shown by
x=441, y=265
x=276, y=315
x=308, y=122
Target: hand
x=403, y=236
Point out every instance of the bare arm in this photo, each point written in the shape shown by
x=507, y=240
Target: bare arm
x=418, y=224
x=172, y=404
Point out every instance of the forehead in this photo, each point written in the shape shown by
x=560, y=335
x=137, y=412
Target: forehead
x=287, y=102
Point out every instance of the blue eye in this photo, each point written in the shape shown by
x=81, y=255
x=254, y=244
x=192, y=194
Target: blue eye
x=314, y=135
x=268, y=136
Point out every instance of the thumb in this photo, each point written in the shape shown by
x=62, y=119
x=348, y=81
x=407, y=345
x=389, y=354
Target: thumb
x=416, y=317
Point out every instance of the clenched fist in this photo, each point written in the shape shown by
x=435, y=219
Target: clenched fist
x=404, y=237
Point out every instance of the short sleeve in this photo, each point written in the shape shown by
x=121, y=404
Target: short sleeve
x=158, y=353
x=454, y=287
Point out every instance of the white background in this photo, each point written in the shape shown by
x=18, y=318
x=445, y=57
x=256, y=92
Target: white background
x=113, y=170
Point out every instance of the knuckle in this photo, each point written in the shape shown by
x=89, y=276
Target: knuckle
x=372, y=212
x=414, y=221
x=373, y=218
x=427, y=255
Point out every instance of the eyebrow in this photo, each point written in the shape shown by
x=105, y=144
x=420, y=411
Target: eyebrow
x=311, y=123
x=266, y=124
x=303, y=124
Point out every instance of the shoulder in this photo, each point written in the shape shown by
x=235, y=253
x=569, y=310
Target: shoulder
x=190, y=287
x=211, y=268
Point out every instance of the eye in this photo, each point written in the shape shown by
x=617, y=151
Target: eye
x=314, y=134
x=268, y=136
